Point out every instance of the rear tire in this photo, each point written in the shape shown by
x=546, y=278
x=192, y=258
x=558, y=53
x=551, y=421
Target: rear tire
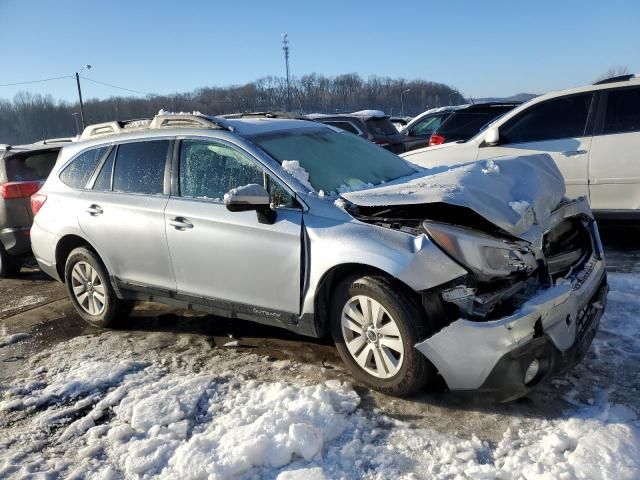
x=90, y=290
x=10, y=265
x=375, y=326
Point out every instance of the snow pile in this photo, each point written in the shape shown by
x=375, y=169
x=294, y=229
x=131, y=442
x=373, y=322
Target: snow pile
x=356, y=187
x=520, y=207
x=167, y=112
x=602, y=441
x=138, y=123
x=91, y=408
x=490, y=167
x=293, y=168
x=370, y=113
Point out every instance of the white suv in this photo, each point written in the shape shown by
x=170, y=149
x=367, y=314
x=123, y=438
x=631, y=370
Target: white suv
x=592, y=133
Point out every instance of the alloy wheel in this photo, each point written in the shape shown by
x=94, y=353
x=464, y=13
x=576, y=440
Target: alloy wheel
x=88, y=288
x=372, y=336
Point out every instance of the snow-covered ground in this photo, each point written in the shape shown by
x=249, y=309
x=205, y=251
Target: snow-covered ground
x=123, y=404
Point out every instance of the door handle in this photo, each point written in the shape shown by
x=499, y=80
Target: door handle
x=573, y=153
x=180, y=223
x=95, y=210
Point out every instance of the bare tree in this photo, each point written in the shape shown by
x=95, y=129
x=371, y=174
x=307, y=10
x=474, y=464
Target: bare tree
x=614, y=72
x=29, y=117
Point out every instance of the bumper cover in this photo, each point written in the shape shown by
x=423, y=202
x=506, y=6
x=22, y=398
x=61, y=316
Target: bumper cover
x=556, y=325
x=16, y=241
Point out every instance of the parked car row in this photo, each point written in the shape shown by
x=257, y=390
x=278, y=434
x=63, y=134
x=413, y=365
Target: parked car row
x=433, y=127
x=592, y=133
x=492, y=281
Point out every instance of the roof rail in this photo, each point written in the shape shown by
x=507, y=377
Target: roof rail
x=162, y=120
x=618, y=78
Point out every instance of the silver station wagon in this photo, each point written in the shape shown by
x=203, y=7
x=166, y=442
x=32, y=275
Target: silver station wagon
x=484, y=273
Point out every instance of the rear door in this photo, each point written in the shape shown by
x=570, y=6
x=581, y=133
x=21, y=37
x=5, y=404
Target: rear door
x=614, y=160
x=560, y=127
x=225, y=256
x=122, y=213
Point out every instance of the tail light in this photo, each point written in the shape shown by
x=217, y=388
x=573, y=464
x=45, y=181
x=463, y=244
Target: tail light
x=436, y=140
x=382, y=143
x=37, y=201
x=11, y=190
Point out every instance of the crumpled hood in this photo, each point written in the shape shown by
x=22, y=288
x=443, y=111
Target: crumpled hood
x=513, y=192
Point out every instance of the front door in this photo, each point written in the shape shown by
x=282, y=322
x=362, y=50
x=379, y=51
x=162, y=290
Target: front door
x=557, y=127
x=231, y=256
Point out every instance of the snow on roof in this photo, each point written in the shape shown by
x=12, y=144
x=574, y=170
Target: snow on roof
x=370, y=113
x=256, y=126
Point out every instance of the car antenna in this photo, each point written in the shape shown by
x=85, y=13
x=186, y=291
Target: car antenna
x=472, y=102
x=44, y=141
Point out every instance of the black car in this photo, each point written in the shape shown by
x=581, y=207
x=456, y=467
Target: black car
x=466, y=122
x=373, y=125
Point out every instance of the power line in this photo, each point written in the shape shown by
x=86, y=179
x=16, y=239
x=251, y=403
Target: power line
x=115, y=86
x=34, y=81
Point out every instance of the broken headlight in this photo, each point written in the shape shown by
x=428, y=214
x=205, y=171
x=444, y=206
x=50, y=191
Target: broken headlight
x=488, y=257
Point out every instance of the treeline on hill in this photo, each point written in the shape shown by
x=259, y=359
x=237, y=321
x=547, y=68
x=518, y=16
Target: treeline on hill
x=30, y=117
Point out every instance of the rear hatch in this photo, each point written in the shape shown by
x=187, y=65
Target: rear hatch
x=22, y=173
x=385, y=134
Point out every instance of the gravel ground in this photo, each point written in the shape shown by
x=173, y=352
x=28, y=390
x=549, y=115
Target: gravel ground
x=38, y=328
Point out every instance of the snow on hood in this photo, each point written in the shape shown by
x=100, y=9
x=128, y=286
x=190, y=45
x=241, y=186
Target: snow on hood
x=496, y=189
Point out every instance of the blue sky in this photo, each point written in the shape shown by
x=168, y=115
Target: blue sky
x=488, y=48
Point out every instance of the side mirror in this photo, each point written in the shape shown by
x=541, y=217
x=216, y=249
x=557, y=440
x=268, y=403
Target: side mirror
x=492, y=137
x=251, y=197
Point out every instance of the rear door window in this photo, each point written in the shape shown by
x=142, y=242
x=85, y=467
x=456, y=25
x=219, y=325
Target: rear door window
x=140, y=167
x=623, y=111
x=564, y=117
x=28, y=167
x=79, y=171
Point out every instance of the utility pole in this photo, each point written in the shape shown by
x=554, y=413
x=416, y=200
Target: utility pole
x=402, y=101
x=88, y=67
x=285, y=49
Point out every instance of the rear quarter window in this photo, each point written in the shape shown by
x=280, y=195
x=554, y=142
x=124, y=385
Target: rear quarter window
x=27, y=167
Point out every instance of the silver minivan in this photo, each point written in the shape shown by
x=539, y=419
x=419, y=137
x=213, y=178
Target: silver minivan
x=484, y=274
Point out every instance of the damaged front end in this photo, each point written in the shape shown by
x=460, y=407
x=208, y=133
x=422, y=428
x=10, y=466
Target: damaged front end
x=529, y=306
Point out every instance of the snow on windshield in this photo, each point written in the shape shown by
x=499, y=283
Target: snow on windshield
x=334, y=160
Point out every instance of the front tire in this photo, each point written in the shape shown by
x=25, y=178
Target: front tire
x=375, y=326
x=90, y=290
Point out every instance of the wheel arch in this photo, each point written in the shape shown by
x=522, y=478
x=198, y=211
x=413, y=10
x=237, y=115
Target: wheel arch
x=338, y=273
x=65, y=246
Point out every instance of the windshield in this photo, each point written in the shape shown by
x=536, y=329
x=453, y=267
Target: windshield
x=335, y=161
